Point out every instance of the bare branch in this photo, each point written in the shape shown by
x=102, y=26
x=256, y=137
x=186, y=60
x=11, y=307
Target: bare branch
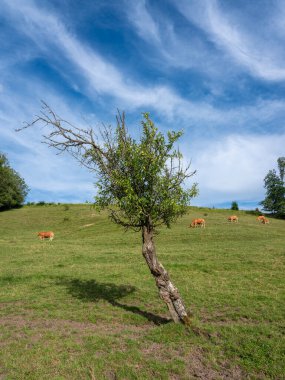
x=65, y=136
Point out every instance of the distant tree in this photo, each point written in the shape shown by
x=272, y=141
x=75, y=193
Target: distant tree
x=281, y=167
x=139, y=183
x=41, y=203
x=13, y=189
x=234, y=206
x=275, y=192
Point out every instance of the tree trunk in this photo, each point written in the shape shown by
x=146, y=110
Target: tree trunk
x=167, y=291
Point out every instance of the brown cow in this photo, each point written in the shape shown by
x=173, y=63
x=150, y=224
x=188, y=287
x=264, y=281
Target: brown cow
x=233, y=218
x=46, y=235
x=265, y=221
x=198, y=223
x=260, y=218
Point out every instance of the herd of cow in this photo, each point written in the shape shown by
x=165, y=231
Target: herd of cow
x=200, y=222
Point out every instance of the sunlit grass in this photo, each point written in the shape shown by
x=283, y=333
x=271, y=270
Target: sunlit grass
x=85, y=306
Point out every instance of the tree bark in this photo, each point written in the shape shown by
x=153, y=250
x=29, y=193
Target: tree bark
x=167, y=291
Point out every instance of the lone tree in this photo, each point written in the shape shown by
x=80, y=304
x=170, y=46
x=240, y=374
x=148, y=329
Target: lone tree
x=139, y=183
x=13, y=189
x=275, y=190
x=234, y=205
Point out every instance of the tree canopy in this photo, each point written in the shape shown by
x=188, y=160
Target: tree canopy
x=140, y=182
x=13, y=189
x=275, y=190
x=234, y=206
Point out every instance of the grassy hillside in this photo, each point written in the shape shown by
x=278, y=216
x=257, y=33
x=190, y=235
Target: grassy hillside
x=86, y=307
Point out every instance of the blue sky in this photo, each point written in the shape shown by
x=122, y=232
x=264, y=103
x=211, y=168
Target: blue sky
x=212, y=68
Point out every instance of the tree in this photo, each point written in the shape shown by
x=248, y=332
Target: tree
x=275, y=194
x=139, y=183
x=281, y=167
x=234, y=206
x=13, y=189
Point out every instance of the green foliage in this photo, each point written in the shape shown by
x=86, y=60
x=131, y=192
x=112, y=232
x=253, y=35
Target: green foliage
x=140, y=182
x=13, y=189
x=275, y=192
x=234, y=206
x=281, y=167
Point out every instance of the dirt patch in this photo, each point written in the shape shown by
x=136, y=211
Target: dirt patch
x=198, y=367
x=18, y=326
x=224, y=318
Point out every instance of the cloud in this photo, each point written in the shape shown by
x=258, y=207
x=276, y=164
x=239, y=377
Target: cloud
x=47, y=31
x=170, y=46
x=233, y=167
x=143, y=21
x=259, y=54
x=228, y=167
x=211, y=40
x=50, y=35
x=51, y=177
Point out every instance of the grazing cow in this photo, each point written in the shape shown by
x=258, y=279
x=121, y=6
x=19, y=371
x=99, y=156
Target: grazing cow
x=46, y=235
x=233, y=218
x=260, y=218
x=198, y=223
x=265, y=221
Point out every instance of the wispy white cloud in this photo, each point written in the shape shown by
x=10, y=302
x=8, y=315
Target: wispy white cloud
x=143, y=21
x=169, y=46
x=228, y=167
x=233, y=167
x=246, y=47
x=56, y=177
x=46, y=30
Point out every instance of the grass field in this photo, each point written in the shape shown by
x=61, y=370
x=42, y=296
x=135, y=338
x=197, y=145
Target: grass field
x=85, y=306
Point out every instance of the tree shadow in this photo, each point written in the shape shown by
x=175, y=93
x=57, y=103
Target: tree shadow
x=91, y=290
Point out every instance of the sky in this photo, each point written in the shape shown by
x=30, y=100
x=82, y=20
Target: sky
x=213, y=68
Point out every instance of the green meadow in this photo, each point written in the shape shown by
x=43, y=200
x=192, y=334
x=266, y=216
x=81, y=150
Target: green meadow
x=85, y=306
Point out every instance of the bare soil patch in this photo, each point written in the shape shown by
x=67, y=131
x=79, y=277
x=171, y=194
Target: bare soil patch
x=19, y=326
x=198, y=367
